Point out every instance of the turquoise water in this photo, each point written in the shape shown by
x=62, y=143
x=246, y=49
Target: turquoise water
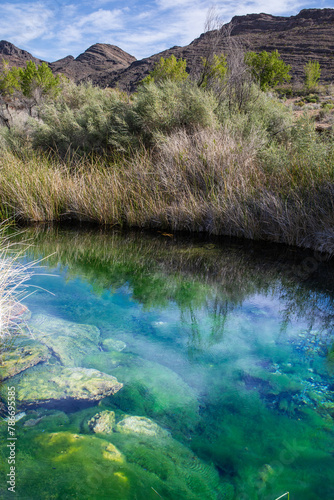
x=225, y=348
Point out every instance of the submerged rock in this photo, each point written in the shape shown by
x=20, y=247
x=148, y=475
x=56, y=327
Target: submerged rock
x=55, y=382
x=78, y=444
x=157, y=391
x=140, y=425
x=70, y=342
x=19, y=314
x=123, y=467
x=113, y=345
x=20, y=356
x=103, y=422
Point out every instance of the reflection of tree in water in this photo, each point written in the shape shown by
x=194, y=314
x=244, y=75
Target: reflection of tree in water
x=217, y=311
x=195, y=275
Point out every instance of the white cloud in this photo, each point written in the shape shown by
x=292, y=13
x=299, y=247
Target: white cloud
x=57, y=28
x=20, y=23
x=174, y=4
x=276, y=7
x=101, y=21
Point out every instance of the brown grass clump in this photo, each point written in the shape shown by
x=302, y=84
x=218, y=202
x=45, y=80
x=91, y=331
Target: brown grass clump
x=210, y=180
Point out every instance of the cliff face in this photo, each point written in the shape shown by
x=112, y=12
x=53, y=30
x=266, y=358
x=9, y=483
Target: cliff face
x=308, y=35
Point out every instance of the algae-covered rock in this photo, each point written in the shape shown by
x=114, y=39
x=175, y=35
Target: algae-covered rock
x=156, y=391
x=69, y=341
x=113, y=345
x=20, y=355
x=182, y=474
x=120, y=467
x=107, y=361
x=70, y=444
x=103, y=422
x=140, y=425
x=55, y=382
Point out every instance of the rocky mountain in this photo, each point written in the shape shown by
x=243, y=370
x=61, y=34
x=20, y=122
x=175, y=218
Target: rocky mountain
x=96, y=64
x=307, y=36
x=14, y=55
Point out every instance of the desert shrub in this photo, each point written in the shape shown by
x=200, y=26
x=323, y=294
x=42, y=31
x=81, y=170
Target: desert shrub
x=312, y=98
x=304, y=161
x=263, y=113
x=26, y=81
x=327, y=105
x=163, y=108
x=84, y=119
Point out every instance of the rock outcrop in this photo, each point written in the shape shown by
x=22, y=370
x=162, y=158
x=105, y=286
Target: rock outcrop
x=15, y=56
x=25, y=354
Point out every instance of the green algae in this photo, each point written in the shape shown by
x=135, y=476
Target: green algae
x=211, y=358
x=123, y=467
x=19, y=354
x=56, y=383
x=156, y=391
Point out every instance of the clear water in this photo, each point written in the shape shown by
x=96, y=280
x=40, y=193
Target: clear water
x=229, y=347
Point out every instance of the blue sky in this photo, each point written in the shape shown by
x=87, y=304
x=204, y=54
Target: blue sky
x=51, y=29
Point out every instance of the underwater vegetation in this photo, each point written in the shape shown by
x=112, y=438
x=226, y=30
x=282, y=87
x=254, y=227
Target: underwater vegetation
x=165, y=367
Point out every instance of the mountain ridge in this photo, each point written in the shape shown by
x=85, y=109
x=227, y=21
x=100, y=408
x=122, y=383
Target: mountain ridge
x=309, y=35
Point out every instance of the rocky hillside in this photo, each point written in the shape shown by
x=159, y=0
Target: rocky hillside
x=96, y=63
x=14, y=55
x=308, y=35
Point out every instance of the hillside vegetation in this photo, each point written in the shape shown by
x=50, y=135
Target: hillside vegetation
x=214, y=154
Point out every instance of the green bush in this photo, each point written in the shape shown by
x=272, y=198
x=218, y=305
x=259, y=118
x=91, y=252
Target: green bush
x=84, y=119
x=26, y=81
x=168, y=69
x=263, y=113
x=165, y=107
x=312, y=74
x=267, y=68
x=327, y=106
x=312, y=98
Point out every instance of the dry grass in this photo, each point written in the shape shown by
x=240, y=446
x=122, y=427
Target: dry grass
x=13, y=278
x=211, y=180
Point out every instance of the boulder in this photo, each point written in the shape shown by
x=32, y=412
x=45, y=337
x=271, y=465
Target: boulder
x=21, y=354
x=70, y=342
x=113, y=345
x=140, y=425
x=56, y=383
x=103, y=422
